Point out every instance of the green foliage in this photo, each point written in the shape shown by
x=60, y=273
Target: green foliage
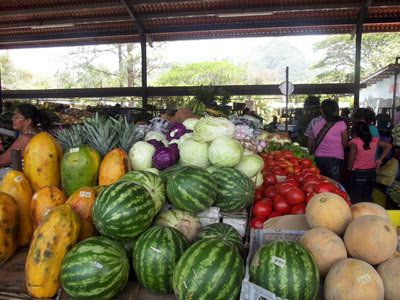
x=11, y=76
x=377, y=51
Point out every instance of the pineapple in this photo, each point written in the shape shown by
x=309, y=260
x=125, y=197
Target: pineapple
x=71, y=137
x=127, y=134
x=101, y=134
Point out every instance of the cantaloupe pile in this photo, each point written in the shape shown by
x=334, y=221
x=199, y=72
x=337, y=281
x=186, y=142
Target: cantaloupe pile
x=355, y=249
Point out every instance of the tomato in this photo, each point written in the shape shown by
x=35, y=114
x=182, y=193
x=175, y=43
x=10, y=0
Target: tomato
x=308, y=172
x=315, y=170
x=270, y=201
x=311, y=178
x=285, y=188
x=309, y=187
x=264, y=155
x=294, y=162
x=269, y=192
x=299, y=209
x=287, y=153
x=262, y=209
x=325, y=187
x=343, y=194
x=282, y=165
x=269, y=179
x=289, y=170
x=300, y=178
x=282, y=206
x=270, y=156
x=295, y=196
x=275, y=214
x=296, y=169
x=309, y=196
x=278, y=172
x=278, y=197
x=306, y=163
x=270, y=163
x=257, y=222
x=258, y=195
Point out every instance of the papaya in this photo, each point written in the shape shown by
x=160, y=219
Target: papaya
x=113, y=166
x=18, y=187
x=79, y=168
x=42, y=161
x=51, y=241
x=43, y=200
x=9, y=222
x=82, y=203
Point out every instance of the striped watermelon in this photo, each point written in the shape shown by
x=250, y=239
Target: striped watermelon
x=128, y=245
x=209, y=269
x=152, y=183
x=167, y=173
x=96, y=268
x=224, y=232
x=186, y=222
x=235, y=190
x=157, y=251
x=123, y=210
x=287, y=269
x=192, y=189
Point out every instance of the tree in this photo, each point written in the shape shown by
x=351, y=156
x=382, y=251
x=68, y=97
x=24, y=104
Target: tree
x=337, y=65
x=11, y=76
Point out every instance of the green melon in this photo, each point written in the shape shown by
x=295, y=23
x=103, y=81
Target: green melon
x=224, y=232
x=123, y=210
x=79, y=168
x=96, y=268
x=209, y=269
x=286, y=268
x=156, y=254
x=152, y=183
x=192, y=189
x=235, y=189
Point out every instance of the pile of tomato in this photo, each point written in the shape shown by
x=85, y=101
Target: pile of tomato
x=291, y=195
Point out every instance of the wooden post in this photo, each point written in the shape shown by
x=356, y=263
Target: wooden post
x=16, y=159
x=396, y=70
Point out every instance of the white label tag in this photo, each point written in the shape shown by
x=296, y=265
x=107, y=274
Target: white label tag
x=46, y=212
x=34, y=196
x=278, y=261
x=364, y=279
x=85, y=194
x=18, y=178
x=72, y=150
x=98, y=265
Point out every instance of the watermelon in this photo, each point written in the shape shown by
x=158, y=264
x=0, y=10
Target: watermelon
x=96, y=268
x=224, y=232
x=123, y=210
x=128, y=245
x=152, y=183
x=209, y=269
x=286, y=268
x=156, y=253
x=79, y=168
x=235, y=189
x=186, y=222
x=192, y=189
x=167, y=173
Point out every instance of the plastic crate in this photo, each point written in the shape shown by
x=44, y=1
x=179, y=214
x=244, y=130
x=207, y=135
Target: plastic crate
x=258, y=237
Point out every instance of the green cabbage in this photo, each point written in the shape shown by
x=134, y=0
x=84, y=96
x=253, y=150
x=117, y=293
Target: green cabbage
x=250, y=165
x=225, y=151
x=207, y=129
x=258, y=180
x=141, y=155
x=189, y=123
x=193, y=153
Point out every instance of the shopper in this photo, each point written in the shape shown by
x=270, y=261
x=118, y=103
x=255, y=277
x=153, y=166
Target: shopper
x=331, y=137
x=27, y=119
x=362, y=162
x=309, y=134
x=274, y=122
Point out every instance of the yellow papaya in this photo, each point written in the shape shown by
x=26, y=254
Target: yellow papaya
x=113, y=166
x=82, y=203
x=51, y=241
x=43, y=200
x=18, y=187
x=42, y=161
x=9, y=222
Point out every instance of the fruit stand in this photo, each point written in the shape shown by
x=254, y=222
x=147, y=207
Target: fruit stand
x=179, y=208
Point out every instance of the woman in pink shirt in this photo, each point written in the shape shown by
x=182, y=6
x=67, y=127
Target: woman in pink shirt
x=362, y=162
x=330, y=139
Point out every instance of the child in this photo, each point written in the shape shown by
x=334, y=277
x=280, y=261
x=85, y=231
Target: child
x=362, y=162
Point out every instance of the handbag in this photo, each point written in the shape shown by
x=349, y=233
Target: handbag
x=321, y=135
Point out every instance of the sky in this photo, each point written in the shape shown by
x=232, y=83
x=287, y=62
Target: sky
x=46, y=61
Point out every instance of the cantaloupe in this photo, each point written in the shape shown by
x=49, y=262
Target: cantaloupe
x=326, y=246
x=353, y=279
x=368, y=209
x=390, y=274
x=330, y=211
x=371, y=238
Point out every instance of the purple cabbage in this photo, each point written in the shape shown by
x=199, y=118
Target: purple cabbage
x=164, y=158
x=176, y=130
x=157, y=144
x=175, y=149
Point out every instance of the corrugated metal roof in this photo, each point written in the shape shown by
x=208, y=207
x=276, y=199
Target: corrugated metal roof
x=46, y=23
